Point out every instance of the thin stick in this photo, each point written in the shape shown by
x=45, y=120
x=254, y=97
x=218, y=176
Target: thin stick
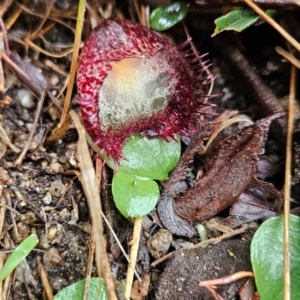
x=205, y=243
x=44, y=279
x=89, y=184
x=77, y=40
x=288, y=56
x=275, y=25
x=4, y=137
x=90, y=265
x=133, y=256
x=287, y=186
x=119, y=244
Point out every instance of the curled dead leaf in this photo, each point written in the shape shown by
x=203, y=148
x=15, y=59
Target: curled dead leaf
x=232, y=168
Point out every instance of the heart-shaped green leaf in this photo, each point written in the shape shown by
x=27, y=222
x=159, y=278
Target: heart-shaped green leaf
x=97, y=290
x=267, y=258
x=149, y=158
x=134, y=196
x=165, y=17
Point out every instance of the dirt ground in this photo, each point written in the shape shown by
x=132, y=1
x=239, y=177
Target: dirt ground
x=41, y=192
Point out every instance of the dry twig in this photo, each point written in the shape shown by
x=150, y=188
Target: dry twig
x=88, y=181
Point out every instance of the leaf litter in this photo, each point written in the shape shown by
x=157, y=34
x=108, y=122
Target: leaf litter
x=229, y=174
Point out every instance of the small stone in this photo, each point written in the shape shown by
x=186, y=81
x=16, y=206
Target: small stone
x=44, y=241
x=65, y=214
x=56, y=168
x=86, y=227
x=71, y=155
x=20, y=123
x=28, y=218
x=52, y=232
x=52, y=258
x=57, y=188
x=44, y=164
x=29, y=126
x=47, y=198
x=159, y=243
x=26, y=98
x=22, y=232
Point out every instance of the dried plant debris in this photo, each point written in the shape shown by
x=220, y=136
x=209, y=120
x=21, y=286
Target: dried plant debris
x=177, y=185
x=230, y=173
x=256, y=203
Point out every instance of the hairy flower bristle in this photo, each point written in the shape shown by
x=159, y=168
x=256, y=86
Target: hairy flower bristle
x=131, y=80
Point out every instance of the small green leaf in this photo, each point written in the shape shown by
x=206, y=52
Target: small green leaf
x=97, y=290
x=267, y=258
x=18, y=255
x=238, y=20
x=149, y=158
x=134, y=196
x=165, y=17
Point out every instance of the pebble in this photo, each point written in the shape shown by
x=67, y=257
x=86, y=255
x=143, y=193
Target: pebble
x=44, y=241
x=56, y=168
x=47, y=198
x=56, y=188
x=159, y=243
x=26, y=98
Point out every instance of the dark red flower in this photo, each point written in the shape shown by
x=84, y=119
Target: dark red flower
x=132, y=80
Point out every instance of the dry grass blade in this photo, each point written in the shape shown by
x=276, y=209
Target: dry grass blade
x=41, y=50
x=44, y=278
x=224, y=125
x=287, y=186
x=89, y=265
x=2, y=218
x=119, y=244
x=89, y=184
x=5, y=7
x=276, y=26
x=2, y=208
x=7, y=282
x=77, y=40
x=2, y=79
x=288, y=56
x=64, y=120
x=60, y=131
x=133, y=256
x=5, y=139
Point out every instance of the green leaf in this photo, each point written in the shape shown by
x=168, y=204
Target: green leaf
x=97, y=290
x=267, y=258
x=149, y=158
x=134, y=196
x=238, y=20
x=165, y=17
x=18, y=255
